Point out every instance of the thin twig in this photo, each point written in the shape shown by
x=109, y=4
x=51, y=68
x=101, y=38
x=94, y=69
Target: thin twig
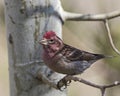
x=92, y=17
x=101, y=87
x=110, y=37
x=89, y=17
x=67, y=78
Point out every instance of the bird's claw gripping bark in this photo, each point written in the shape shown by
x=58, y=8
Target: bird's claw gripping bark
x=63, y=83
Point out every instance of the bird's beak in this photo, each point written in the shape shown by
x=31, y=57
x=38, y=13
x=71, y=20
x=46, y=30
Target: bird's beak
x=43, y=42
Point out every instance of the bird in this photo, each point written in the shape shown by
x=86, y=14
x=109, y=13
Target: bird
x=63, y=58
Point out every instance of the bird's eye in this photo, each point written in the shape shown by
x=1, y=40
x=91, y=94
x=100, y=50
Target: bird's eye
x=51, y=41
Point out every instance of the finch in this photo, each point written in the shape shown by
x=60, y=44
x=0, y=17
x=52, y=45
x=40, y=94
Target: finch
x=63, y=58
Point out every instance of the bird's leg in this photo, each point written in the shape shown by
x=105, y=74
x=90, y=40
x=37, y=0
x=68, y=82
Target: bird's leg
x=64, y=82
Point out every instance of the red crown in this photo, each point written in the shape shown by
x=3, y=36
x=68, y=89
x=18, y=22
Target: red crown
x=49, y=34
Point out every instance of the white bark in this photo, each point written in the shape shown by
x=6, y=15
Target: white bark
x=26, y=21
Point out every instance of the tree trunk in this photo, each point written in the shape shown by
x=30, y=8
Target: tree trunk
x=26, y=21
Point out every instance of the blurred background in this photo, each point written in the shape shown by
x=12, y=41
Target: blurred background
x=89, y=36
x=4, y=77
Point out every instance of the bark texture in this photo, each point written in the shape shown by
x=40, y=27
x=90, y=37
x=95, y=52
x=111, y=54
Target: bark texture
x=26, y=21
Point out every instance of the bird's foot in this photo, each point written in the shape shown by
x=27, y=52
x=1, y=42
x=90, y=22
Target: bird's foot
x=63, y=83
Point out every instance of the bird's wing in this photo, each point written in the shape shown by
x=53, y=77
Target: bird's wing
x=74, y=54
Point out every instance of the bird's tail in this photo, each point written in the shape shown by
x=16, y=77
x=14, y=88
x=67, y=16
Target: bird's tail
x=100, y=56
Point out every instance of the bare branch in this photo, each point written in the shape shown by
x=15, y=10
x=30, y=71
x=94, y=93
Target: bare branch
x=101, y=87
x=110, y=37
x=64, y=82
x=89, y=17
x=92, y=17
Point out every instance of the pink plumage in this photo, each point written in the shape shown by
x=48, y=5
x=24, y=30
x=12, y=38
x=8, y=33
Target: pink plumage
x=49, y=34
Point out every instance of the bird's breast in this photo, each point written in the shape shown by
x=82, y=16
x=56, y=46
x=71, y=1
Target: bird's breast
x=49, y=59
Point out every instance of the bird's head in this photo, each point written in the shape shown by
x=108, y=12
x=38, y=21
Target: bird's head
x=51, y=40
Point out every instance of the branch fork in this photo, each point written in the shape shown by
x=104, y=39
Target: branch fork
x=91, y=17
x=67, y=78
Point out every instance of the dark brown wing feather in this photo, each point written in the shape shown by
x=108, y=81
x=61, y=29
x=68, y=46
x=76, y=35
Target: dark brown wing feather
x=74, y=54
